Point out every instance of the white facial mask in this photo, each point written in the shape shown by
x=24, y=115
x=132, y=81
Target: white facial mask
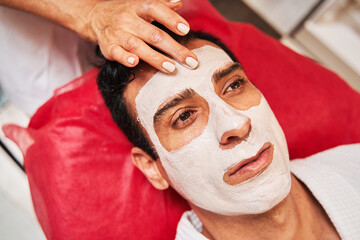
x=196, y=170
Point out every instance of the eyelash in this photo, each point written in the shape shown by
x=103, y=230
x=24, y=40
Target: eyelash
x=241, y=81
x=183, y=122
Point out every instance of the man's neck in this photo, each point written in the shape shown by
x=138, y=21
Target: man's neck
x=298, y=216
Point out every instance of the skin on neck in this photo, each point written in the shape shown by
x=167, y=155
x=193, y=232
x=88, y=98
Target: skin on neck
x=298, y=216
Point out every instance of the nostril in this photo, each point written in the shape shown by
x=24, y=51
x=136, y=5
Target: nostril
x=230, y=142
x=232, y=138
x=235, y=136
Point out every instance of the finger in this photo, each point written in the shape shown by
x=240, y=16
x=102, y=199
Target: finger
x=136, y=46
x=157, y=11
x=175, y=5
x=115, y=52
x=161, y=40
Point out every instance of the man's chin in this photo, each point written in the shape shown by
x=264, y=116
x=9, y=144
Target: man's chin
x=268, y=204
x=271, y=207
x=261, y=209
x=275, y=203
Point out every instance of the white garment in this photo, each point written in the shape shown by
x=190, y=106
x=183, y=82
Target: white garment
x=36, y=57
x=333, y=178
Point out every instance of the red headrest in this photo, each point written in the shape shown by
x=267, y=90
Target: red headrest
x=82, y=180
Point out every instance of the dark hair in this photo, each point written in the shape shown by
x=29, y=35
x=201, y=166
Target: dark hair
x=114, y=77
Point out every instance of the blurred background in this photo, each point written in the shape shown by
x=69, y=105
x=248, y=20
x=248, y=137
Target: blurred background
x=327, y=31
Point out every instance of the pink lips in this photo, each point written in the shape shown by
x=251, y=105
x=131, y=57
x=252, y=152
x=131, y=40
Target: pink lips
x=250, y=167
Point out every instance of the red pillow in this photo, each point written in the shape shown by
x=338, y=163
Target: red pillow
x=82, y=180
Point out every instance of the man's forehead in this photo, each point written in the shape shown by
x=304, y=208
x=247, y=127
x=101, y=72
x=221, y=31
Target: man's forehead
x=145, y=72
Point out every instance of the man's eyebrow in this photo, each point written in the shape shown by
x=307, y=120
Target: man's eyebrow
x=183, y=95
x=218, y=75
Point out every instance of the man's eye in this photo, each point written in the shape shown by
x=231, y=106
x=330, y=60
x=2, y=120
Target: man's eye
x=235, y=85
x=184, y=116
x=184, y=119
x=238, y=83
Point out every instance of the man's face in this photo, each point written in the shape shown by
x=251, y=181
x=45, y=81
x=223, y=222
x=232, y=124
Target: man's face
x=217, y=138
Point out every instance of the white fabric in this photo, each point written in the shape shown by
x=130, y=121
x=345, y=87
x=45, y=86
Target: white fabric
x=333, y=178
x=36, y=57
x=189, y=227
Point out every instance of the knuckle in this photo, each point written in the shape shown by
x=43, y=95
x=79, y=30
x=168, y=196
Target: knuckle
x=131, y=44
x=156, y=36
x=112, y=51
x=149, y=4
x=105, y=50
x=180, y=53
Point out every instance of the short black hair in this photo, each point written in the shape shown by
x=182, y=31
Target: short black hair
x=113, y=78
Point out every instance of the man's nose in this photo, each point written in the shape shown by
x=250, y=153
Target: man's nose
x=235, y=136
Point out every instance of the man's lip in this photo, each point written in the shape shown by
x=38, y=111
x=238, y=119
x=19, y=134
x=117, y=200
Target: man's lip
x=250, y=167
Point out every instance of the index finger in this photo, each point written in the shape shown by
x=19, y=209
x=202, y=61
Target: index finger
x=158, y=11
x=156, y=37
x=175, y=5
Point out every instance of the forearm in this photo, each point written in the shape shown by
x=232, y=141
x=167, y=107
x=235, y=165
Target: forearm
x=72, y=14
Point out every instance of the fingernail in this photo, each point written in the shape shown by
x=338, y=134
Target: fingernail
x=131, y=60
x=174, y=1
x=168, y=66
x=183, y=28
x=191, y=62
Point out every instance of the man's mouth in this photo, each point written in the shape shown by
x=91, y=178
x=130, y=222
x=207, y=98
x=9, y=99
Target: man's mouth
x=250, y=167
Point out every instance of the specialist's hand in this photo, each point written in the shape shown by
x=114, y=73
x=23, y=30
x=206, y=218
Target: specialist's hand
x=123, y=27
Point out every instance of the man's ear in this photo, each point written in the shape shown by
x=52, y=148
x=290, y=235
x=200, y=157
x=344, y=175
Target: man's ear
x=149, y=168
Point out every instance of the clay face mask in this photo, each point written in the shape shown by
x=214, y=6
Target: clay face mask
x=196, y=170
